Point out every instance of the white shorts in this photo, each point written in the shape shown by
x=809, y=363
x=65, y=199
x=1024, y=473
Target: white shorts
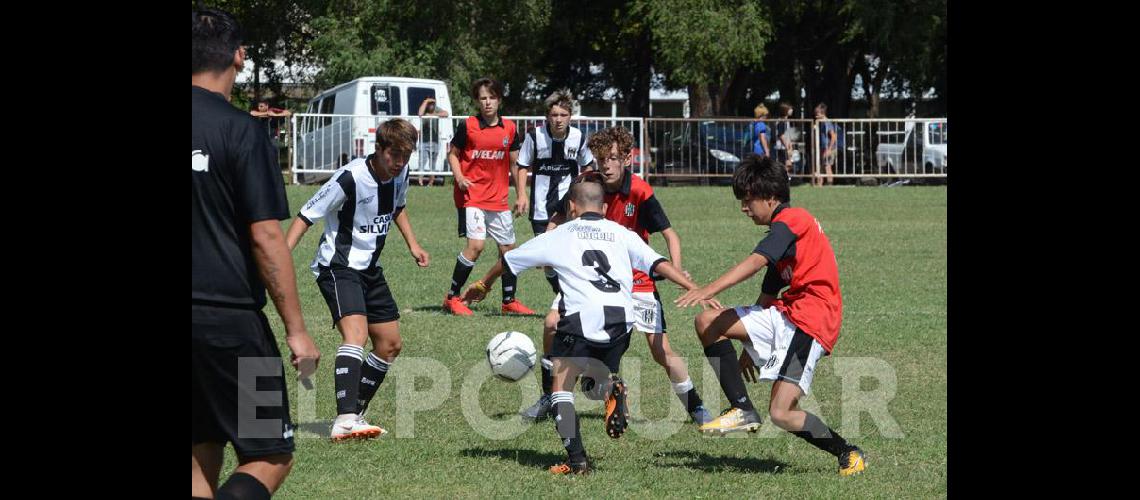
x=780, y=350
x=475, y=223
x=650, y=315
x=647, y=307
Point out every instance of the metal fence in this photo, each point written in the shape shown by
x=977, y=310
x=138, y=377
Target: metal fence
x=908, y=147
x=709, y=150
x=704, y=150
x=323, y=143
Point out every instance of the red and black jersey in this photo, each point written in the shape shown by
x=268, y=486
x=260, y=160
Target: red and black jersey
x=485, y=160
x=800, y=257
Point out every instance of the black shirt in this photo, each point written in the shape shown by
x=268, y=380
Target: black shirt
x=235, y=181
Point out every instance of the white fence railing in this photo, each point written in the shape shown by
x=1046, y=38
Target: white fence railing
x=908, y=147
x=323, y=143
x=703, y=149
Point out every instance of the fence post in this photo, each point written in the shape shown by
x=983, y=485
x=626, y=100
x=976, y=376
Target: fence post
x=641, y=150
x=293, y=148
x=815, y=157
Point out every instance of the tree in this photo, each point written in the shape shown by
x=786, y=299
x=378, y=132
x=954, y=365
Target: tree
x=901, y=42
x=456, y=41
x=708, y=46
x=273, y=29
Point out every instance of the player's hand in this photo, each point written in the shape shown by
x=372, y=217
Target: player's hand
x=304, y=355
x=522, y=206
x=475, y=292
x=747, y=368
x=463, y=183
x=694, y=296
x=421, y=256
x=710, y=304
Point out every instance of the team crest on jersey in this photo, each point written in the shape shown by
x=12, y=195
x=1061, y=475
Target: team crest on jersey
x=771, y=361
x=629, y=209
x=506, y=141
x=572, y=154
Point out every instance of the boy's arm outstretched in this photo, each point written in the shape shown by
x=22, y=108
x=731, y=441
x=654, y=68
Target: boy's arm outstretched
x=670, y=272
x=744, y=270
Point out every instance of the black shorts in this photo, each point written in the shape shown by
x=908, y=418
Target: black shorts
x=238, y=383
x=348, y=291
x=573, y=346
x=538, y=226
x=782, y=156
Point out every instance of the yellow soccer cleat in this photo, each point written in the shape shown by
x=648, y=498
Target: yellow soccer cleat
x=732, y=420
x=852, y=462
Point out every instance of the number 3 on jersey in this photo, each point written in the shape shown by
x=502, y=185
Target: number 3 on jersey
x=597, y=260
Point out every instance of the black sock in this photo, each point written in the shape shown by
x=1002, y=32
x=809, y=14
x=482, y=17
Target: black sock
x=372, y=374
x=566, y=423
x=242, y=486
x=691, y=400
x=459, y=276
x=346, y=377
x=547, y=377
x=510, y=281
x=552, y=278
x=688, y=395
x=722, y=357
x=821, y=436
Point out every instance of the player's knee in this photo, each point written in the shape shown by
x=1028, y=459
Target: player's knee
x=392, y=348
x=551, y=322
x=355, y=337
x=780, y=416
x=474, y=248
x=271, y=470
x=703, y=324
x=387, y=348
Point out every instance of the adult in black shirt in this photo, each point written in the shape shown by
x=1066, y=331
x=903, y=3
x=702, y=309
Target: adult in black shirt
x=237, y=251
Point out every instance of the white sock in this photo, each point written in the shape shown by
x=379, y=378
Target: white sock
x=683, y=387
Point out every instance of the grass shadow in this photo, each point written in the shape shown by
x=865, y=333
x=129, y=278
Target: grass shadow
x=713, y=463
x=524, y=457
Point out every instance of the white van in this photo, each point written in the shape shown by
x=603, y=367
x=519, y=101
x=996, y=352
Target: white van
x=907, y=152
x=324, y=143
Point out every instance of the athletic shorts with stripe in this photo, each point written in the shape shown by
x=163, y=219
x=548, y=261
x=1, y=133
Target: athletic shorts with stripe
x=348, y=291
x=476, y=223
x=237, y=379
x=780, y=350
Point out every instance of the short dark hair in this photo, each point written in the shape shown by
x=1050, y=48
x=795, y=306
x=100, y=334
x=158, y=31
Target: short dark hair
x=822, y=107
x=493, y=86
x=760, y=178
x=397, y=134
x=215, y=37
x=588, y=194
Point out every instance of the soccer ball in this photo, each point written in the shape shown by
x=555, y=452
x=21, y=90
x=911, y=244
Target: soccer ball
x=511, y=355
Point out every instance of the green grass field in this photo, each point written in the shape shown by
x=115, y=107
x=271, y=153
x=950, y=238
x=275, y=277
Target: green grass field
x=891, y=247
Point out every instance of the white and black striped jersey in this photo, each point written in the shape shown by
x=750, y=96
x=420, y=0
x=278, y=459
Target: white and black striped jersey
x=594, y=258
x=554, y=164
x=358, y=211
